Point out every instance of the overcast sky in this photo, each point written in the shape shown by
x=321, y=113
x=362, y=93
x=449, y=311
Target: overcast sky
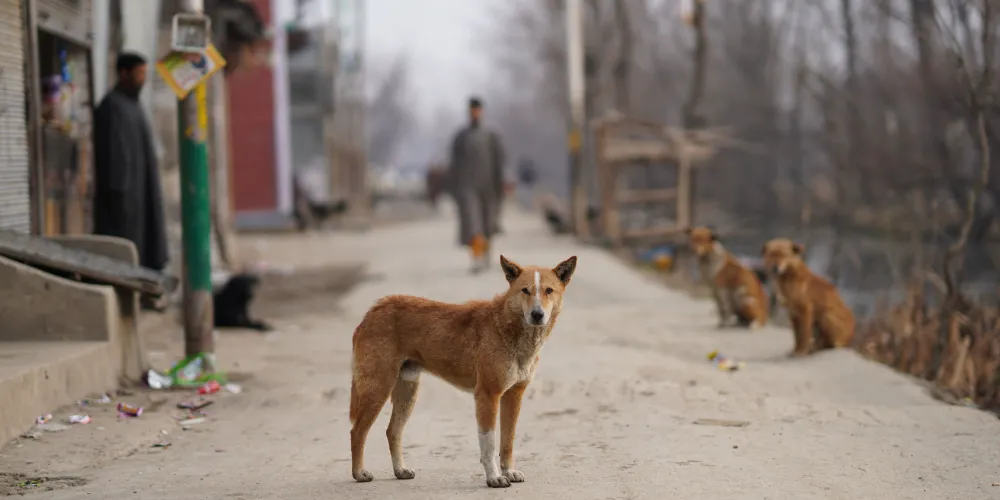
x=438, y=37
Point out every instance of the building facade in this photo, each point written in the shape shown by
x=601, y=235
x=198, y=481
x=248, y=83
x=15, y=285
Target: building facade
x=260, y=135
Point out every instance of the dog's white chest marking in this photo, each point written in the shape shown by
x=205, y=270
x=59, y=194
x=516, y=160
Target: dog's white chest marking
x=523, y=372
x=525, y=363
x=712, y=266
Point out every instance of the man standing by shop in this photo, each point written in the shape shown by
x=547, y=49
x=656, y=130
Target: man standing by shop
x=128, y=198
x=476, y=179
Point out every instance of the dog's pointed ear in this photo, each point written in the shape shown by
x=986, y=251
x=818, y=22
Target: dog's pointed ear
x=564, y=271
x=798, y=248
x=763, y=249
x=688, y=230
x=511, y=270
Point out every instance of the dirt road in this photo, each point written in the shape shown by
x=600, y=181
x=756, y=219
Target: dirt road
x=612, y=414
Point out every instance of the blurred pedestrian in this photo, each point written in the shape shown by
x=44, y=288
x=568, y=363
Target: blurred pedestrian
x=527, y=176
x=476, y=179
x=128, y=198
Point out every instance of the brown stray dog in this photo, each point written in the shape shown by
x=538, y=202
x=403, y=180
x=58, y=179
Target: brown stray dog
x=488, y=347
x=737, y=291
x=812, y=302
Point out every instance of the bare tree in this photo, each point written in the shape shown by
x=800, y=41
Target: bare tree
x=623, y=66
x=388, y=113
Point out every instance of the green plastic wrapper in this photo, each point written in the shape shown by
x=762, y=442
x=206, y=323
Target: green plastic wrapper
x=190, y=372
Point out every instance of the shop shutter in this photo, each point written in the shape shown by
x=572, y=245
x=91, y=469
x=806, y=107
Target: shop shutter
x=15, y=199
x=70, y=19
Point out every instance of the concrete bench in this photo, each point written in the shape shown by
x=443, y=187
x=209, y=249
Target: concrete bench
x=62, y=340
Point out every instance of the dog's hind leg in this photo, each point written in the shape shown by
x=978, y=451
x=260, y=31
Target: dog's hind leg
x=369, y=391
x=404, y=395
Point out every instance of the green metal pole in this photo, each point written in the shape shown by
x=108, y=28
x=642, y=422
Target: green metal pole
x=196, y=221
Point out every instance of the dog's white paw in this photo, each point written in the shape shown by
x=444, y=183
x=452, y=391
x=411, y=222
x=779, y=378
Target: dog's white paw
x=363, y=476
x=498, y=482
x=756, y=325
x=405, y=473
x=513, y=476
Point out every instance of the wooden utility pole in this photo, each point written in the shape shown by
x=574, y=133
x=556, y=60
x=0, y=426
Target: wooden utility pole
x=348, y=132
x=577, y=104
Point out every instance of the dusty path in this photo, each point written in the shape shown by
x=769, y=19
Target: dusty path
x=610, y=415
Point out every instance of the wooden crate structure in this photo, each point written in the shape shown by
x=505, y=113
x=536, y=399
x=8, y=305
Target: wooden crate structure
x=628, y=146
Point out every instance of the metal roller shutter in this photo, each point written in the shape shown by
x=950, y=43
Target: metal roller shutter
x=69, y=19
x=15, y=199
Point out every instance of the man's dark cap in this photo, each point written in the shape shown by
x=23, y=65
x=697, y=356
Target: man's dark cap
x=475, y=102
x=128, y=61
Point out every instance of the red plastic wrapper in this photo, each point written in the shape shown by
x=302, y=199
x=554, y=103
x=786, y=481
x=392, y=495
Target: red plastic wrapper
x=127, y=409
x=211, y=387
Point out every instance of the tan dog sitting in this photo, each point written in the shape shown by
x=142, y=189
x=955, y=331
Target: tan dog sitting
x=487, y=347
x=813, y=303
x=738, y=293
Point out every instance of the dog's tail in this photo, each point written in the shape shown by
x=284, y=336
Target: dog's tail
x=355, y=403
x=355, y=407
x=353, y=413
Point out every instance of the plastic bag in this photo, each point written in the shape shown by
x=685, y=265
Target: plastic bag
x=190, y=372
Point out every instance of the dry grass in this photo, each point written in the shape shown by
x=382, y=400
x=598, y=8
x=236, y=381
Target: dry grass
x=955, y=346
x=956, y=349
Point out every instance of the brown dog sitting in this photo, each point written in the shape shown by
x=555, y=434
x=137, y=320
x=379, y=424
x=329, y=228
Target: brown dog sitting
x=487, y=347
x=737, y=291
x=813, y=303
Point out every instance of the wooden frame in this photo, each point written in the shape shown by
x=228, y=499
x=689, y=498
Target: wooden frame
x=615, y=149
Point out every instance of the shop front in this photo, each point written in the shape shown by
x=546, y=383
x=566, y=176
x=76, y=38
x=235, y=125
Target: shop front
x=62, y=33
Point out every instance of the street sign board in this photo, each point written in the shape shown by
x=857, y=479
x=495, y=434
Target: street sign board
x=190, y=33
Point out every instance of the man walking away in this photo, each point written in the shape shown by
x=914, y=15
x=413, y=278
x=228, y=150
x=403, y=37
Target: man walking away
x=527, y=176
x=128, y=198
x=477, y=182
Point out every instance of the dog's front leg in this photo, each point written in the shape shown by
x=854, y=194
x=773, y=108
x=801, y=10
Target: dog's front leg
x=487, y=406
x=510, y=408
x=723, y=302
x=802, y=326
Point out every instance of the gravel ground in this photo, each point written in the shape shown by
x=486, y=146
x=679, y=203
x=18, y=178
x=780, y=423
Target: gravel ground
x=625, y=404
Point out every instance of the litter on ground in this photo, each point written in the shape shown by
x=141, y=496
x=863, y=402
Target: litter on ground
x=191, y=421
x=723, y=363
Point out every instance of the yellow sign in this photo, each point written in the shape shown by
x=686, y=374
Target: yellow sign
x=201, y=98
x=183, y=71
x=574, y=141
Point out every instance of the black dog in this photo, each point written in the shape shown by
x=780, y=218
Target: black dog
x=308, y=212
x=232, y=303
x=559, y=223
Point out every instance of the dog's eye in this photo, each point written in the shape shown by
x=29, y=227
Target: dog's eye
x=548, y=291
x=526, y=292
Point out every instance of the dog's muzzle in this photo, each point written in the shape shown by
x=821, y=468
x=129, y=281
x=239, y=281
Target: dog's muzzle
x=537, y=317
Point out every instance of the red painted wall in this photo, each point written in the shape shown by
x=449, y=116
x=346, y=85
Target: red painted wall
x=251, y=133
